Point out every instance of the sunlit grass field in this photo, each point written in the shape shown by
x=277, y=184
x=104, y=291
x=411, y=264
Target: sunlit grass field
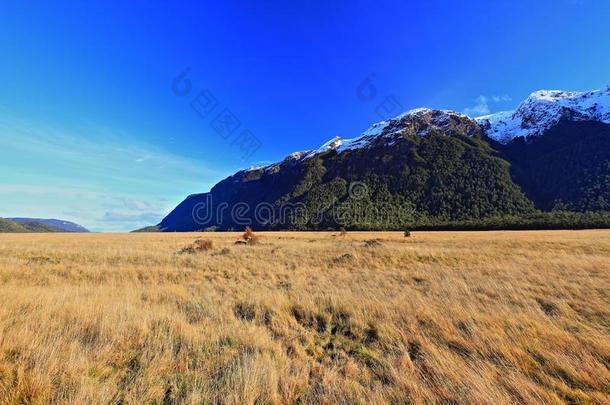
x=472, y=317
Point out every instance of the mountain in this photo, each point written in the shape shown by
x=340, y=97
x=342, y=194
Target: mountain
x=427, y=167
x=421, y=165
x=54, y=225
x=7, y=226
x=544, y=109
x=152, y=228
x=558, y=143
x=567, y=167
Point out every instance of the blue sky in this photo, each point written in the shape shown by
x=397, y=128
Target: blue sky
x=92, y=129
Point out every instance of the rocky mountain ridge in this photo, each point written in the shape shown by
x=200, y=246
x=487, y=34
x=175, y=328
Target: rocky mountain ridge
x=437, y=165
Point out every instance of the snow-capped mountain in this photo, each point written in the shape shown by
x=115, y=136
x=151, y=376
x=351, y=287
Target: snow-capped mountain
x=545, y=108
x=420, y=121
x=392, y=128
x=535, y=115
x=438, y=162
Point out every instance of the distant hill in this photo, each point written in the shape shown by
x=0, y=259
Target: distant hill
x=152, y=228
x=57, y=224
x=7, y=226
x=32, y=225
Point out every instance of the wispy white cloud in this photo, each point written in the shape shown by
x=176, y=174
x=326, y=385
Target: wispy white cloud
x=120, y=219
x=482, y=105
x=498, y=99
x=105, y=180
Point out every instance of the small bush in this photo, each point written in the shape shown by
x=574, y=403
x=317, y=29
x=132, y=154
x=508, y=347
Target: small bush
x=407, y=233
x=245, y=311
x=203, y=244
x=200, y=245
x=225, y=251
x=42, y=260
x=249, y=236
x=344, y=258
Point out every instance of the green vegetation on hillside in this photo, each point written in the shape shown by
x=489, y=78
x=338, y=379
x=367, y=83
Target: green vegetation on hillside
x=7, y=226
x=538, y=220
x=568, y=168
x=416, y=175
x=433, y=179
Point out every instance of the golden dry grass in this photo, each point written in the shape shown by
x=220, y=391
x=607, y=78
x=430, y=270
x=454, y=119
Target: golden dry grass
x=489, y=317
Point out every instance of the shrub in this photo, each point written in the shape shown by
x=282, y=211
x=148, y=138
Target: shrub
x=407, y=233
x=344, y=258
x=249, y=236
x=245, y=311
x=372, y=243
x=200, y=245
x=203, y=245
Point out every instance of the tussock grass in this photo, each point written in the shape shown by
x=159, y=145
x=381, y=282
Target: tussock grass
x=489, y=317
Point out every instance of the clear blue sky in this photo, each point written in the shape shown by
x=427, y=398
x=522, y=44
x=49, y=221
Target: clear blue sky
x=91, y=131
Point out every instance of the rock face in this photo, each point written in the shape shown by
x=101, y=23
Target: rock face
x=425, y=166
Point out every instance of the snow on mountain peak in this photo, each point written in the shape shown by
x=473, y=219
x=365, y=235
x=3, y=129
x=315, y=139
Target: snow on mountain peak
x=296, y=155
x=544, y=108
x=330, y=145
x=389, y=129
x=538, y=112
x=552, y=95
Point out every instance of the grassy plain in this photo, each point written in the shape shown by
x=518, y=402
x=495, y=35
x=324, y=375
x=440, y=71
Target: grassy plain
x=477, y=317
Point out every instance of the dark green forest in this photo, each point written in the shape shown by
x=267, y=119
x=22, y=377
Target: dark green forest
x=417, y=176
